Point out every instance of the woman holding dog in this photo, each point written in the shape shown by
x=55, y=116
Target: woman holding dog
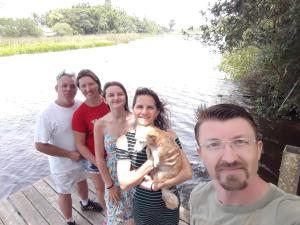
x=133, y=165
x=106, y=131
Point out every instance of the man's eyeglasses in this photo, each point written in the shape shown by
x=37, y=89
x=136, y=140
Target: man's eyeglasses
x=235, y=144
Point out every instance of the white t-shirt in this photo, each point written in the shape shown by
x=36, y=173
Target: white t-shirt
x=53, y=126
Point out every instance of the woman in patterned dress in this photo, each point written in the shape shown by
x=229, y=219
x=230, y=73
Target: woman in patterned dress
x=133, y=166
x=106, y=131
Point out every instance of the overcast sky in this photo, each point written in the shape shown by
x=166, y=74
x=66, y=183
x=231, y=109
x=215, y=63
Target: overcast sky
x=184, y=12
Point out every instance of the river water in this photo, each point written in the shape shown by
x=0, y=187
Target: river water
x=182, y=72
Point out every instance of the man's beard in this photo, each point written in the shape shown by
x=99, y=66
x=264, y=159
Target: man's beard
x=232, y=182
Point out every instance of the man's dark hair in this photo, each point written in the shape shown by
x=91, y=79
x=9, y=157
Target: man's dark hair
x=222, y=112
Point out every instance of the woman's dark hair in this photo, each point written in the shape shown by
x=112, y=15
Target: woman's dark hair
x=116, y=83
x=222, y=112
x=162, y=120
x=91, y=74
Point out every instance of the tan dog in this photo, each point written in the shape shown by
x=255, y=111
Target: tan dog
x=159, y=143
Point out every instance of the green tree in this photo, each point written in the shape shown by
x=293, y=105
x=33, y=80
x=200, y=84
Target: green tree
x=63, y=29
x=86, y=19
x=271, y=27
x=19, y=28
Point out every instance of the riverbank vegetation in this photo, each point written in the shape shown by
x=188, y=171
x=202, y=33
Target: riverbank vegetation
x=260, y=44
x=81, y=26
x=29, y=45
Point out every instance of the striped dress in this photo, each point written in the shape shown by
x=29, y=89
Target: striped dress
x=148, y=206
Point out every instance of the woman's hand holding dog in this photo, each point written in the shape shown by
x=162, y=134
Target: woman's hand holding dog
x=169, y=160
x=157, y=185
x=147, y=182
x=150, y=185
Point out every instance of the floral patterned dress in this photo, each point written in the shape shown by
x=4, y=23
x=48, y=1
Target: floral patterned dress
x=116, y=215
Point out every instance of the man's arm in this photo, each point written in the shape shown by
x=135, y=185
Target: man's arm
x=55, y=151
x=82, y=148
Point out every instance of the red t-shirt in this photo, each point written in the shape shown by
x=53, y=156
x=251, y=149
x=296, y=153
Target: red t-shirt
x=83, y=121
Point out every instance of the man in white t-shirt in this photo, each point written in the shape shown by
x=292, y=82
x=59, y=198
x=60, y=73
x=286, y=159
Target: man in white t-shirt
x=54, y=137
x=230, y=148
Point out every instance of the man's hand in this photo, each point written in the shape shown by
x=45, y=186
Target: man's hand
x=75, y=156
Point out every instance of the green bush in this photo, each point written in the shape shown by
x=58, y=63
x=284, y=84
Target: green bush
x=240, y=63
x=19, y=28
x=63, y=29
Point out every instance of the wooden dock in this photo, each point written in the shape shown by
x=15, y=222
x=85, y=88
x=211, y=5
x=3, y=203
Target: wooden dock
x=37, y=205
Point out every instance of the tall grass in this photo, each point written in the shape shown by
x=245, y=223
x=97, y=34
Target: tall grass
x=12, y=46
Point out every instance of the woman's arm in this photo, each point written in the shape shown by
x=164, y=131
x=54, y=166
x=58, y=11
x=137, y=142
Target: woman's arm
x=114, y=195
x=53, y=150
x=80, y=139
x=100, y=153
x=129, y=178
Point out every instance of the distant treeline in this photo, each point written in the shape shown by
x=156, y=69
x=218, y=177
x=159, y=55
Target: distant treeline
x=81, y=19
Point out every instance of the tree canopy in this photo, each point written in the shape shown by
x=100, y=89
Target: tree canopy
x=19, y=28
x=86, y=19
x=260, y=42
x=80, y=19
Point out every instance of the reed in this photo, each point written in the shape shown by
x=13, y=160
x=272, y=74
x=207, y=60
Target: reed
x=12, y=46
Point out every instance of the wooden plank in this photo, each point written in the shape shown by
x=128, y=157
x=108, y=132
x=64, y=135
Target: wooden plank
x=184, y=215
x=51, y=215
x=182, y=223
x=92, y=217
x=290, y=169
x=49, y=193
x=50, y=182
x=9, y=215
x=91, y=185
x=26, y=209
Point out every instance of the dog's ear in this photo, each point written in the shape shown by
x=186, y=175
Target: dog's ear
x=151, y=139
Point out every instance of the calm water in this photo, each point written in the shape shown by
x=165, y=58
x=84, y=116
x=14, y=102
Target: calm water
x=183, y=73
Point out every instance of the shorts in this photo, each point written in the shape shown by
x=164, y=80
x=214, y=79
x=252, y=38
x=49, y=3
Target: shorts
x=89, y=167
x=65, y=183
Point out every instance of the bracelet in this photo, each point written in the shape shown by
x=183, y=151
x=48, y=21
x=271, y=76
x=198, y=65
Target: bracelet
x=110, y=186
